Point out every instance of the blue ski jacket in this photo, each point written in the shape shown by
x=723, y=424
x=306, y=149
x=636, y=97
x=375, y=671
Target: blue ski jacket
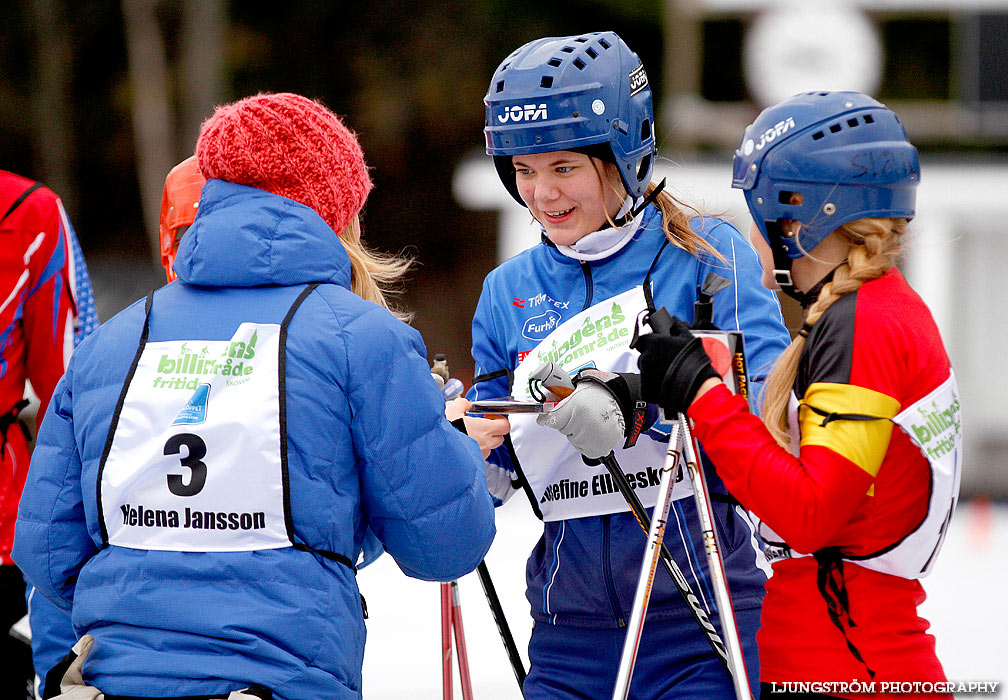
x=366, y=446
x=583, y=572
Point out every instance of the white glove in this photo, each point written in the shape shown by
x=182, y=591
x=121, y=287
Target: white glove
x=590, y=418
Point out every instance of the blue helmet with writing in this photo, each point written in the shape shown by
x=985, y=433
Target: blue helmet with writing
x=824, y=159
x=587, y=93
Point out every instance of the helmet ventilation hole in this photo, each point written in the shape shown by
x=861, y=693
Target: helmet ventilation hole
x=579, y=64
x=817, y=135
x=547, y=81
x=852, y=122
x=604, y=44
x=591, y=52
x=555, y=62
x=868, y=119
x=568, y=49
x=500, y=86
x=834, y=128
x=642, y=170
x=645, y=130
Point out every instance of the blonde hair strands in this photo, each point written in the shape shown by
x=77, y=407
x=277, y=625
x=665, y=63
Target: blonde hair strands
x=375, y=276
x=875, y=244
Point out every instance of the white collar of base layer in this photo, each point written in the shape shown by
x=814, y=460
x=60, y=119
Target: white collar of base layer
x=606, y=241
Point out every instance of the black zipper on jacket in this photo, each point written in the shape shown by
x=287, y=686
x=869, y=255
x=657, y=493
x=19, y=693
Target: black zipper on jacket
x=589, y=285
x=607, y=573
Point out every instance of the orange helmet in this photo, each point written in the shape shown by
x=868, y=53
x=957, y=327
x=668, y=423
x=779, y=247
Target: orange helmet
x=179, y=204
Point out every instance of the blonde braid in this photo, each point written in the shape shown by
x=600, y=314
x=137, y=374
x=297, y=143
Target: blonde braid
x=875, y=243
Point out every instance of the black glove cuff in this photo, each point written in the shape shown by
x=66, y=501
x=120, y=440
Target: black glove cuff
x=687, y=372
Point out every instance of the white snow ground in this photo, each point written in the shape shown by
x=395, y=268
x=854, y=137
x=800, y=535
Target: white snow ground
x=967, y=607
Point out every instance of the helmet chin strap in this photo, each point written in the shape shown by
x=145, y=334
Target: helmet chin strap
x=632, y=214
x=782, y=264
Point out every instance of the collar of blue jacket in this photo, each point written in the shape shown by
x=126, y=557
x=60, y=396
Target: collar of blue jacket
x=247, y=237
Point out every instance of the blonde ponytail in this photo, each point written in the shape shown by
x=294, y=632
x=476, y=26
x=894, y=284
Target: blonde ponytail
x=374, y=276
x=875, y=243
x=675, y=221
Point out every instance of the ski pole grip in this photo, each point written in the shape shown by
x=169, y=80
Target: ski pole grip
x=660, y=321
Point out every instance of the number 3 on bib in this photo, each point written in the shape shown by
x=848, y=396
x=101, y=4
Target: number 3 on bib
x=197, y=468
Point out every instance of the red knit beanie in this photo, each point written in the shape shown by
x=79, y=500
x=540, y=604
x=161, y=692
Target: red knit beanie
x=291, y=146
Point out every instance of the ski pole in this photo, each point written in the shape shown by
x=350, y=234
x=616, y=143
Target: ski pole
x=451, y=624
x=685, y=590
x=652, y=554
x=558, y=382
x=715, y=562
x=661, y=322
x=451, y=388
x=460, y=645
x=446, y=642
x=502, y=625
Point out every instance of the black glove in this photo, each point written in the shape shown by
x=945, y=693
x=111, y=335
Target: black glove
x=672, y=367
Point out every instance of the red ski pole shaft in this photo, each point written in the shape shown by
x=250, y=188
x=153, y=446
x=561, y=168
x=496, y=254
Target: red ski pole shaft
x=446, y=642
x=460, y=645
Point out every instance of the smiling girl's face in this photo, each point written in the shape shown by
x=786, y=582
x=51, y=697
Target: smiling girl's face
x=569, y=193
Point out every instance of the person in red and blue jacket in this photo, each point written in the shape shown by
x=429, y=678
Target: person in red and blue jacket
x=853, y=472
x=47, y=307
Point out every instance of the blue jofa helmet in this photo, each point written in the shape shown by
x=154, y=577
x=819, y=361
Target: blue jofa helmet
x=844, y=153
x=572, y=93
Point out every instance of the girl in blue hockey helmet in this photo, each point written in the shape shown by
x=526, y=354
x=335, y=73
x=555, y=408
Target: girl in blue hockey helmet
x=569, y=125
x=854, y=472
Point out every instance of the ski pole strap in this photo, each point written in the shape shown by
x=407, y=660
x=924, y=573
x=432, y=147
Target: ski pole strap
x=833, y=588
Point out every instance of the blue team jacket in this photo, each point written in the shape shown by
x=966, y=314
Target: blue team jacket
x=583, y=572
x=368, y=447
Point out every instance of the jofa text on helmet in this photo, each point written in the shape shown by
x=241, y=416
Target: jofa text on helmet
x=638, y=80
x=778, y=129
x=523, y=113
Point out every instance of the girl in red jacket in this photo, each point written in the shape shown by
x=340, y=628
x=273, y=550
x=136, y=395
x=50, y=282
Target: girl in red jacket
x=853, y=472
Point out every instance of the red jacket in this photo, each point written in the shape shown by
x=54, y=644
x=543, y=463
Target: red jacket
x=45, y=301
x=859, y=486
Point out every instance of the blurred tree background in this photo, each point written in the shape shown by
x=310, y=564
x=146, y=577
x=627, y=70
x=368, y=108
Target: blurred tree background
x=99, y=98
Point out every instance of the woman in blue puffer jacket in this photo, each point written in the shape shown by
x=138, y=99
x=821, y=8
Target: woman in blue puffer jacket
x=212, y=460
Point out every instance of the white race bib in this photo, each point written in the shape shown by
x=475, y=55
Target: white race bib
x=195, y=461
x=564, y=486
x=933, y=424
